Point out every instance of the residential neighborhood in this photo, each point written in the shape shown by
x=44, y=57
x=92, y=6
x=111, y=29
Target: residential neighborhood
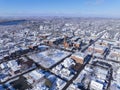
x=60, y=54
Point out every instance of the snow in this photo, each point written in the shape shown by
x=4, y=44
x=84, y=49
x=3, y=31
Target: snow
x=68, y=62
x=49, y=57
x=96, y=85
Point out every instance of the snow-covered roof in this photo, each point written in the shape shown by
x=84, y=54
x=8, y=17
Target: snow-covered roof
x=96, y=85
x=12, y=63
x=36, y=75
x=68, y=62
x=79, y=55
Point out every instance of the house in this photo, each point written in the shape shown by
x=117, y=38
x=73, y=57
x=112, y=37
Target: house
x=13, y=65
x=68, y=62
x=73, y=87
x=114, y=55
x=65, y=72
x=58, y=84
x=34, y=77
x=96, y=85
x=3, y=65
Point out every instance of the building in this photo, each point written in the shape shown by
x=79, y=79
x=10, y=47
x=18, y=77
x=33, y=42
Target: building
x=96, y=85
x=78, y=57
x=97, y=49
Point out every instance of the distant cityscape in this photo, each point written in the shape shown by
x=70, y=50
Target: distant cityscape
x=59, y=53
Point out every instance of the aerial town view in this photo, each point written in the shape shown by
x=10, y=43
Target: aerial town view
x=59, y=49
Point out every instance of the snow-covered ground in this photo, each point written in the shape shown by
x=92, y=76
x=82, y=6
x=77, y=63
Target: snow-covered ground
x=49, y=57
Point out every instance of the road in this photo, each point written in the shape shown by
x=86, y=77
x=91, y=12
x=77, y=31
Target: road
x=39, y=66
x=81, y=68
x=84, y=49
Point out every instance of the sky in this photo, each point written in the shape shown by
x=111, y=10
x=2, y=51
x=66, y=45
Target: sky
x=92, y=8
